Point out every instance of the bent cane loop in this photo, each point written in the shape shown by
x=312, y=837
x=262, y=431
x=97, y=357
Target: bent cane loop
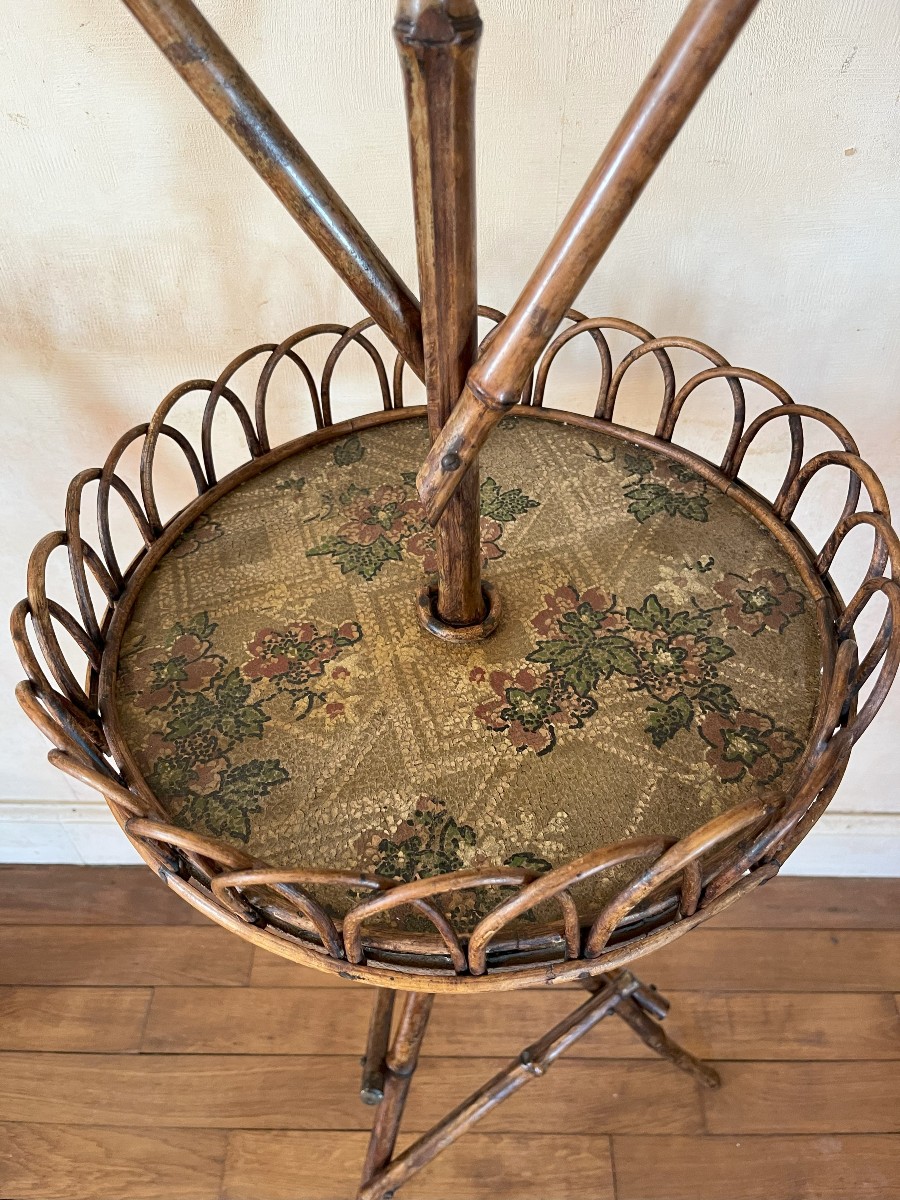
x=228, y=93
x=688, y=61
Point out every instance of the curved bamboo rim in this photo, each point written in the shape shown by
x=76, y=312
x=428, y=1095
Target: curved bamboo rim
x=682, y=883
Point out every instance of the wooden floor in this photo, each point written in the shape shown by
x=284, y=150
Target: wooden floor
x=146, y=1053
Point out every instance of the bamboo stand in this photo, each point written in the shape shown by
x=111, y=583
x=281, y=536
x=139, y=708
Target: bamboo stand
x=618, y=993
x=681, y=880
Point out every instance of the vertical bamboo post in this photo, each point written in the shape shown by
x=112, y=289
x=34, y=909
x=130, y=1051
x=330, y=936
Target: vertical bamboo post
x=438, y=45
x=400, y=1065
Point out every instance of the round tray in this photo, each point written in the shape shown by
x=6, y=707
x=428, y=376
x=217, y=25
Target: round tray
x=667, y=705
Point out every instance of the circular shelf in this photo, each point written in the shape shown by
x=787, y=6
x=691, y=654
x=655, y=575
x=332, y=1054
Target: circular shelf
x=666, y=706
x=659, y=661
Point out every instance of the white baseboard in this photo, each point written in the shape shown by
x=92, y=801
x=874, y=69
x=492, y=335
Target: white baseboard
x=85, y=832
x=62, y=832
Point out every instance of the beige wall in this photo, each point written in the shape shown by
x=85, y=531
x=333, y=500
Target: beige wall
x=138, y=250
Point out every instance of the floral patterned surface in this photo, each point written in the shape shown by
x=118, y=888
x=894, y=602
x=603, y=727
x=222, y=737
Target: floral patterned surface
x=670, y=657
x=210, y=709
x=658, y=661
x=378, y=525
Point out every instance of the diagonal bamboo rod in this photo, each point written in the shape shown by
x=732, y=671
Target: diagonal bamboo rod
x=218, y=80
x=438, y=45
x=687, y=63
x=535, y=1060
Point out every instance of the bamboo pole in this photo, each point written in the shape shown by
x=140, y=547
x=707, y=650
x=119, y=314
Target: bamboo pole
x=221, y=84
x=438, y=45
x=688, y=61
x=400, y=1065
x=532, y=1063
x=374, y=1062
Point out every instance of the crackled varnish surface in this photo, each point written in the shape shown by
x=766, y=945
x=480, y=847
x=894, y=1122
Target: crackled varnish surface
x=658, y=663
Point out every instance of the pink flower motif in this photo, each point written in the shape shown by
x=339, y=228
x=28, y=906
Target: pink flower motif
x=748, y=743
x=203, y=530
x=763, y=601
x=385, y=513
x=276, y=651
x=334, y=709
x=153, y=676
x=566, y=600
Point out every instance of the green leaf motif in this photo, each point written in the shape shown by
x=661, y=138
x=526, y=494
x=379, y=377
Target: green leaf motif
x=237, y=719
x=717, y=650
x=503, y=506
x=665, y=718
x=581, y=664
x=200, y=626
x=197, y=715
x=251, y=780
x=717, y=697
x=351, y=493
x=696, y=623
x=559, y=655
x=349, y=451
x=580, y=676
x=366, y=560
x=613, y=655
x=528, y=862
x=171, y=776
x=693, y=508
x=637, y=462
x=648, y=499
x=294, y=484
x=651, y=615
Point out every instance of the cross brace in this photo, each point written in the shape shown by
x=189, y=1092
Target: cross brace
x=388, y=1067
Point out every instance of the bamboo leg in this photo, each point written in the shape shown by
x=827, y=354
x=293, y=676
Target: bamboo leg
x=401, y=1062
x=638, y=1011
x=687, y=63
x=438, y=53
x=650, y=1032
x=373, y=1063
x=533, y=1062
x=219, y=81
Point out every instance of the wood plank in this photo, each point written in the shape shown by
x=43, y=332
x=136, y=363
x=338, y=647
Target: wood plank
x=57, y=1162
x=781, y=1025
x=725, y=960
x=284, y=1092
x=839, y=1097
x=98, y=1020
x=820, y=902
x=122, y=956
x=68, y=895
x=777, y=960
x=757, y=1168
x=270, y=1166
x=271, y=970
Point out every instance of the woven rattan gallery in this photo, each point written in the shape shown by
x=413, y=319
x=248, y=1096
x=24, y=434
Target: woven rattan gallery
x=480, y=694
